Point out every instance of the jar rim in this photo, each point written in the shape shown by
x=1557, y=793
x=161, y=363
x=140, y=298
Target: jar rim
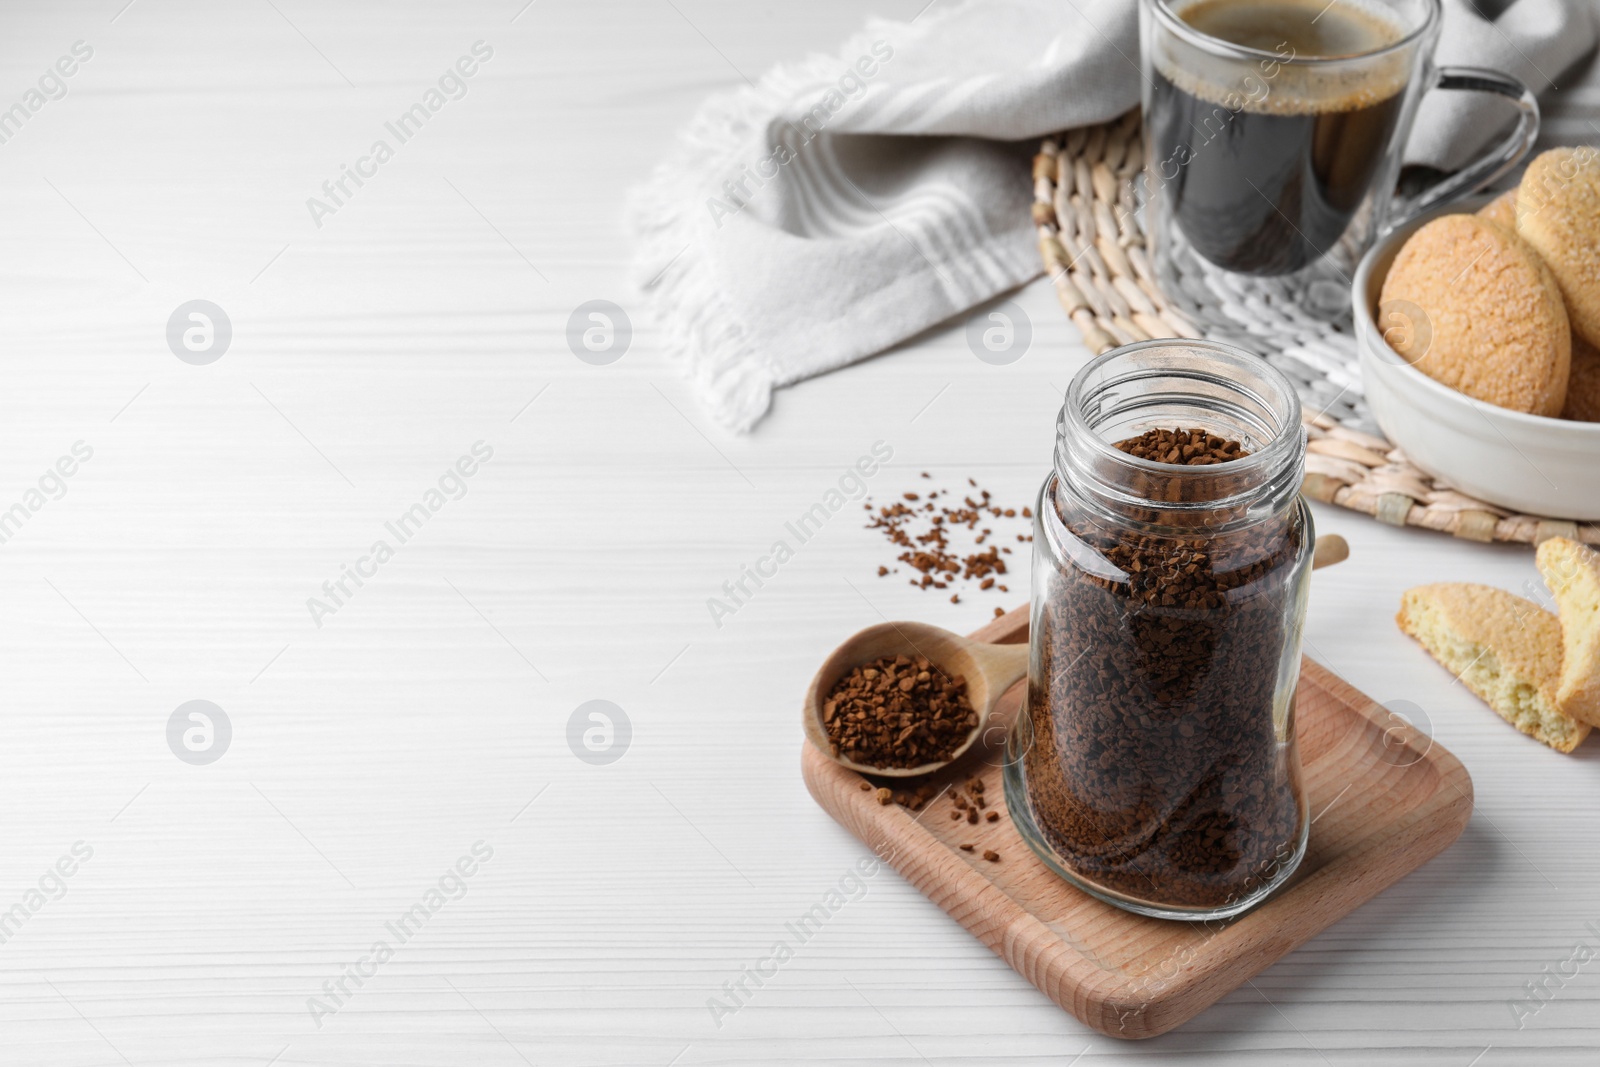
x=1283, y=450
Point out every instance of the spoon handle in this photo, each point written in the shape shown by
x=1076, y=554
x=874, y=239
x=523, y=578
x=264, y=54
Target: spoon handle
x=1002, y=665
x=1329, y=549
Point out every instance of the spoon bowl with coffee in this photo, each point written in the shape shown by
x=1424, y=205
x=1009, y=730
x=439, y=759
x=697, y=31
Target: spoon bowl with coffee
x=946, y=685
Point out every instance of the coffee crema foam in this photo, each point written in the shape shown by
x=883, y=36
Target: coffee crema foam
x=1274, y=84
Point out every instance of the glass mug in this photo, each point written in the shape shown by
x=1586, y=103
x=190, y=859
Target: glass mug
x=1273, y=135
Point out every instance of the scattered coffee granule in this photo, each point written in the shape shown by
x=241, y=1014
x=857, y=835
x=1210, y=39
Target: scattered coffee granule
x=917, y=799
x=898, y=712
x=914, y=800
x=1156, y=763
x=967, y=848
x=993, y=816
x=924, y=528
x=885, y=796
x=991, y=855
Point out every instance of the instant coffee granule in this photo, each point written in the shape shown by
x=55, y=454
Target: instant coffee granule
x=906, y=798
x=1189, y=448
x=898, y=711
x=925, y=527
x=1156, y=767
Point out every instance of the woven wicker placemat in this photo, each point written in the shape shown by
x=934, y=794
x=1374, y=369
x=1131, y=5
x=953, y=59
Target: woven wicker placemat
x=1085, y=205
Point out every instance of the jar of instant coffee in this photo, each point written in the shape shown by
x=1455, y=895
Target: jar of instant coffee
x=1155, y=764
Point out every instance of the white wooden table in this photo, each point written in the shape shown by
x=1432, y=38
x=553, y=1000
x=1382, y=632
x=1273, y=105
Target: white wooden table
x=429, y=711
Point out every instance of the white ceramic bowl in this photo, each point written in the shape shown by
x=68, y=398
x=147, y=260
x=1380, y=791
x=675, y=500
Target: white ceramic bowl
x=1528, y=463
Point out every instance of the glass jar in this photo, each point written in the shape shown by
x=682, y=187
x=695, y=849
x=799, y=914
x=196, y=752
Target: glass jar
x=1155, y=765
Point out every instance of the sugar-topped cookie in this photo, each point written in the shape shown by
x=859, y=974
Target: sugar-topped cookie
x=1492, y=323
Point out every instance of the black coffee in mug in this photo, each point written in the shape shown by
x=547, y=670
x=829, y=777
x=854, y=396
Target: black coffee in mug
x=1264, y=179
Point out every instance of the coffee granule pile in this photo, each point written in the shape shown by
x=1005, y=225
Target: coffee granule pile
x=898, y=712
x=1159, y=764
x=1190, y=448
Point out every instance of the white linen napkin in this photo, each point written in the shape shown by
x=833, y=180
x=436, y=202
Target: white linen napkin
x=845, y=203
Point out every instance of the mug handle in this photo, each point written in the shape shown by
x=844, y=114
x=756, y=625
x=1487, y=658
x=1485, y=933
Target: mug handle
x=1505, y=156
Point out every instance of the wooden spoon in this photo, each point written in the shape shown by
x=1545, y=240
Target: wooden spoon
x=989, y=669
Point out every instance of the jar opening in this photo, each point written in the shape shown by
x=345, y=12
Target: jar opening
x=1187, y=384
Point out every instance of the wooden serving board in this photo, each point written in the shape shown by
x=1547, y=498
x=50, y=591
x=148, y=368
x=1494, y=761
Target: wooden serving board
x=1383, y=798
